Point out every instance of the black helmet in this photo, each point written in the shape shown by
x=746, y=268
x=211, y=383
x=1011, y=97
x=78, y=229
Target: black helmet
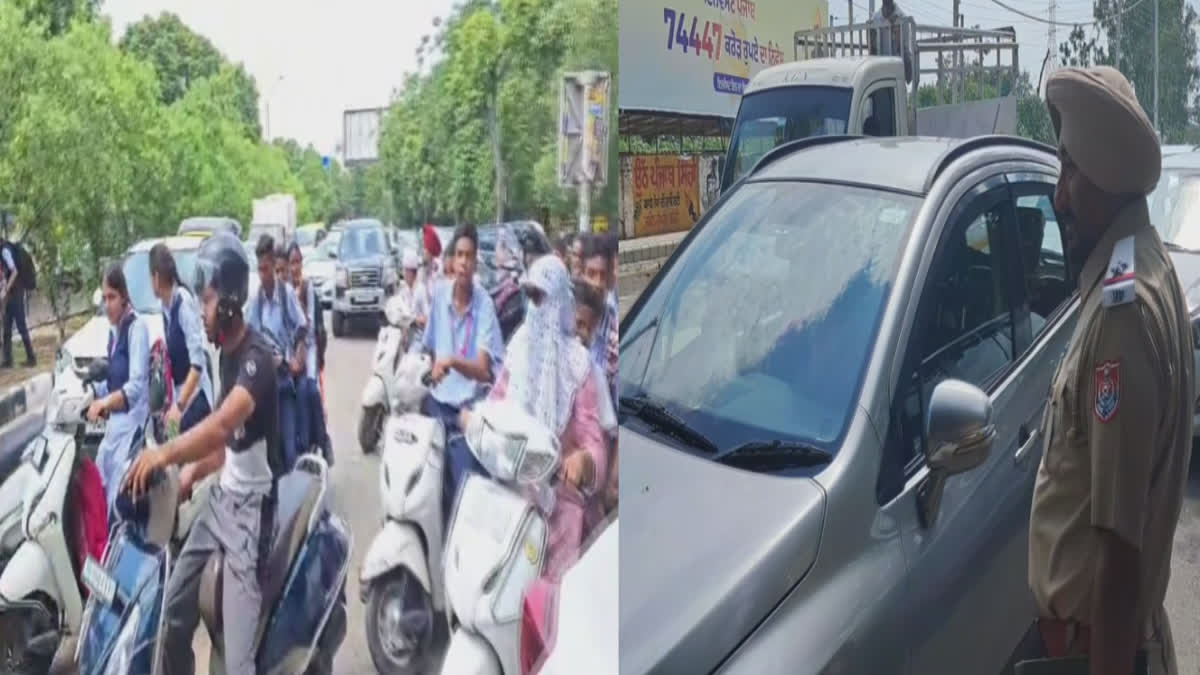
x=221, y=265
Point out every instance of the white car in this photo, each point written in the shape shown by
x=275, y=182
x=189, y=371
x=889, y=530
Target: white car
x=573, y=627
x=320, y=267
x=91, y=341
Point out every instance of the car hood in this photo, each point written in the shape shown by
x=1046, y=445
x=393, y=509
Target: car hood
x=366, y=261
x=91, y=341
x=1187, y=266
x=707, y=552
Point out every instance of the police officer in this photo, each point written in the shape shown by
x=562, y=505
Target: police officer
x=1119, y=425
x=245, y=426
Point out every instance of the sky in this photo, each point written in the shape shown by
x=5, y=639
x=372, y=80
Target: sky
x=331, y=56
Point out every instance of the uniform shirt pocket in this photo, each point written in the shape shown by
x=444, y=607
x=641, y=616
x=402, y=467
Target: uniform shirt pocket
x=1064, y=431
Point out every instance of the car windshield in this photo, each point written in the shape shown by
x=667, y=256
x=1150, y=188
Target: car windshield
x=779, y=296
x=773, y=117
x=306, y=237
x=361, y=242
x=1175, y=207
x=137, y=276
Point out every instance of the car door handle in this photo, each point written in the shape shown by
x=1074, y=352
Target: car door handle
x=1027, y=440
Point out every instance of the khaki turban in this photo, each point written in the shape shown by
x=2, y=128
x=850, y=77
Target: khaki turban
x=1103, y=128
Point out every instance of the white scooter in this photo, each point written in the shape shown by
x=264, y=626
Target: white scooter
x=40, y=596
x=394, y=340
x=498, y=538
x=26, y=420
x=401, y=573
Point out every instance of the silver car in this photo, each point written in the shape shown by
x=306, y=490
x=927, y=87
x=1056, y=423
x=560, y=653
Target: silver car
x=830, y=399
x=1175, y=212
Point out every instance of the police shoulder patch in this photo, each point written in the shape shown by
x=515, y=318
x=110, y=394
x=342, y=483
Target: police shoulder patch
x=1119, y=279
x=1108, y=390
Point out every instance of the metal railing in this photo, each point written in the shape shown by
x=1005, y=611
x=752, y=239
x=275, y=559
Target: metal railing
x=958, y=56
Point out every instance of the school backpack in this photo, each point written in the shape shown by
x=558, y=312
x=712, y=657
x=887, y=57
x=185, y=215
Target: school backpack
x=26, y=270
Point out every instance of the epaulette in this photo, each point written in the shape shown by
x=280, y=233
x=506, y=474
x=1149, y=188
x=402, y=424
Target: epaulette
x=1118, y=285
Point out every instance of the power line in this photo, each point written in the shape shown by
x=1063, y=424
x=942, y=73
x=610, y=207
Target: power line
x=1033, y=17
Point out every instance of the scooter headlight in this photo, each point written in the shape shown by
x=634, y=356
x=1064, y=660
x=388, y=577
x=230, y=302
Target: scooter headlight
x=511, y=444
x=120, y=661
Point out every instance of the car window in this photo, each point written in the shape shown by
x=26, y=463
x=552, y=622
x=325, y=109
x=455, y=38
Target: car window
x=882, y=121
x=361, y=242
x=1175, y=207
x=966, y=327
x=1047, y=279
x=306, y=237
x=782, y=281
x=136, y=267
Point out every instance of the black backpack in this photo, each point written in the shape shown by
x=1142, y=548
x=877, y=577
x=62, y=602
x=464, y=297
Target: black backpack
x=26, y=271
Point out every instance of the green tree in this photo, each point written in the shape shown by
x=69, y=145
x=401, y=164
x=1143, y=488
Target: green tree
x=1126, y=29
x=55, y=16
x=182, y=57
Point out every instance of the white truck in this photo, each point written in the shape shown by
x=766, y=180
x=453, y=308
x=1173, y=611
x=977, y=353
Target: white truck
x=838, y=85
x=274, y=215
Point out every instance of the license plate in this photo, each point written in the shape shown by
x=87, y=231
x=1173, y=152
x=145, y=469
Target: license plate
x=95, y=428
x=98, y=581
x=364, y=296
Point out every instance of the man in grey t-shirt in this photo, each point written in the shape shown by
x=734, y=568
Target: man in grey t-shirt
x=893, y=37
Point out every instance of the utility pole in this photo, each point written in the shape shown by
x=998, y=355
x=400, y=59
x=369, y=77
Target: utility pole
x=1156, y=127
x=1120, y=19
x=1051, y=36
x=849, y=12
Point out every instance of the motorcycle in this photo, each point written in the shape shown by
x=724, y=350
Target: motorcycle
x=392, y=344
x=509, y=301
x=401, y=572
x=498, y=537
x=304, y=621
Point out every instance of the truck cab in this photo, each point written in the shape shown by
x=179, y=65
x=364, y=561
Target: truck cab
x=839, y=86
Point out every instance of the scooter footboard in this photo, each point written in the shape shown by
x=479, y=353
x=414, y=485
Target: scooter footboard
x=314, y=589
x=469, y=654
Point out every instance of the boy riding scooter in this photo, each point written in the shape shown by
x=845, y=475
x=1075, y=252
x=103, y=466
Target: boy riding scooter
x=245, y=426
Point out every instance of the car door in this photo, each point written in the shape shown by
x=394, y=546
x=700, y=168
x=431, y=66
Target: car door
x=966, y=609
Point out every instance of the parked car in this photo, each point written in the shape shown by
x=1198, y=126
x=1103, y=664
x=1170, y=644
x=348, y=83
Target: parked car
x=571, y=626
x=205, y=226
x=91, y=341
x=365, y=275
x=830, y=398
x=1175, y=212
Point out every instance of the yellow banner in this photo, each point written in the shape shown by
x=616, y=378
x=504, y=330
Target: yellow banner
x=666, y=193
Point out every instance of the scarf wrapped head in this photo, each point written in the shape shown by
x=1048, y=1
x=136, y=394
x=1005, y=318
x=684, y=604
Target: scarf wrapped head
x=432, y=244
x=1104, y=129
x=546, y=364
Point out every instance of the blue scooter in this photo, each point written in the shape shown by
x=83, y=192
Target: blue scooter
x=304, y=591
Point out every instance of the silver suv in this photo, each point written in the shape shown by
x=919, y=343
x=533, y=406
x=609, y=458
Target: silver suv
x=365, y=276
x=830, y=400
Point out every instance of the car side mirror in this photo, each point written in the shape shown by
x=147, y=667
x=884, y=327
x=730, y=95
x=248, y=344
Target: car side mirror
x=958, y=433
x=959, y=427
x=333, y=254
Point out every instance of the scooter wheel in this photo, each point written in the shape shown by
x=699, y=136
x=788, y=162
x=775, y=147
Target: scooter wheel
x=370, y=428
x=400, y=624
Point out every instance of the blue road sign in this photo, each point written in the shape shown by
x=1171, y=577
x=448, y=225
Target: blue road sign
x=325, y=161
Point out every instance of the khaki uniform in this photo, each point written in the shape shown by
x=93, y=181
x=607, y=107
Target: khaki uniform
x=1118, y=431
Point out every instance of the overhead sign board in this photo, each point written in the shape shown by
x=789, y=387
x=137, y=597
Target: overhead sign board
x=583, y=129
x=695, y=57
x=360, y=135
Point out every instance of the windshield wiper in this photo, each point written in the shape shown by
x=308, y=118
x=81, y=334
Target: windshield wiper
x=774, y=455
x=661, y=419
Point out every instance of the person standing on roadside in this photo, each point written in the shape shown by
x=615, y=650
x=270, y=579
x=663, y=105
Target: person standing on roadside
x=1118, y=428
x=12, y=291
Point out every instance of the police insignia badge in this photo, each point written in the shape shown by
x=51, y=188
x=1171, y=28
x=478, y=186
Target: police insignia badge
x=251, y=368
x=1108, y=390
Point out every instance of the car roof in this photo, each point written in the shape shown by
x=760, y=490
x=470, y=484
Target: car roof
x=175, y=243
x=905, y=164
x=1181, y=160
x=362, y=222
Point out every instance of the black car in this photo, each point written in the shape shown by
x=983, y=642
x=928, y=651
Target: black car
x=366, y=273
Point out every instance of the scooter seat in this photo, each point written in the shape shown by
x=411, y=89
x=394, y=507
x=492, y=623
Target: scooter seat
x=297, y=494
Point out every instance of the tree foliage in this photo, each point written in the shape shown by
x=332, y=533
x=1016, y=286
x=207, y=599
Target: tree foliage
x=1123, y=36
x=94, y=155
x=474, y=138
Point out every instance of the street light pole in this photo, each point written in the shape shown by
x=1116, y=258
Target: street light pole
x=270, y=95
x=1156, y=127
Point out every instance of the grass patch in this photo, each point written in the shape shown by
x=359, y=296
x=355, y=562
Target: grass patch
x=45, y=345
